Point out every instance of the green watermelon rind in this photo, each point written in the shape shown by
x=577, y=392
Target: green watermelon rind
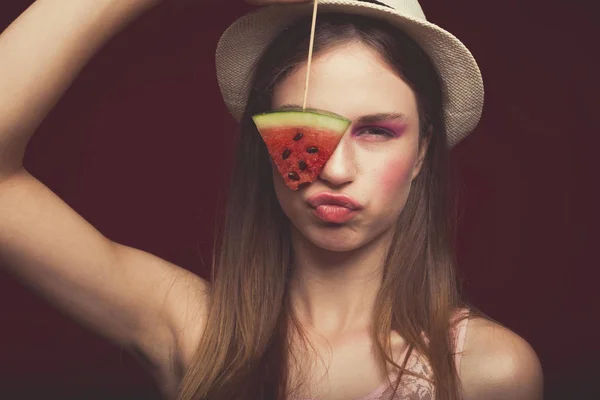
x=312, y=119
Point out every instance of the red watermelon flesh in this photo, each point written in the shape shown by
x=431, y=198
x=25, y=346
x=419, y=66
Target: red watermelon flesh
x=300, y=142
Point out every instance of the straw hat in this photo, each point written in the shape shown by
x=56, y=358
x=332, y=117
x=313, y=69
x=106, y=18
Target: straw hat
x=243, y=43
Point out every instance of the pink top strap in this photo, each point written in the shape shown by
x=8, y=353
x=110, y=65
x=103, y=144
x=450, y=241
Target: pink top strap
x=461, y=333
x=415, y=385
x=417, y=388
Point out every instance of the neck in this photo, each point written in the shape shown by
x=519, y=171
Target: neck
x=333, y=292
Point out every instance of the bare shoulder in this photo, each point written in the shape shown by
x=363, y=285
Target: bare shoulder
x=498, y=364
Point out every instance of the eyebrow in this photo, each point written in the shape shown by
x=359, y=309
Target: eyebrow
x=365, y=119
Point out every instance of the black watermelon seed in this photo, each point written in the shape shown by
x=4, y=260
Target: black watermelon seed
x=312, y=150
x=293, y=176
x=298, y=136
x=301, y=165
x=286, y=153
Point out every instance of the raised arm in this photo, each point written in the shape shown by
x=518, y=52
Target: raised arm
x=129, y=296
x=41, y=53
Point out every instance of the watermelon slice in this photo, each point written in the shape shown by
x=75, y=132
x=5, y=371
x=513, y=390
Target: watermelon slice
x=300, y=142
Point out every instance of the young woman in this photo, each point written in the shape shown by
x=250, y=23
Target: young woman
x=300, y=307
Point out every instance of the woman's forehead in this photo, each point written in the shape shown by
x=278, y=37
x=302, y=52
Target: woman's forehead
x=352, y=81
x=361, y=119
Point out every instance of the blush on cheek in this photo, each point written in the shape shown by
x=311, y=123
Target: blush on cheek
x=396, y=176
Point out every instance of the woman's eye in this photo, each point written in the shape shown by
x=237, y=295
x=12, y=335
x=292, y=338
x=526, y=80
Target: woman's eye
x=377, y=131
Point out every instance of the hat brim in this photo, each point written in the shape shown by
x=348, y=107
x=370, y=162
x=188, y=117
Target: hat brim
x=244, y=42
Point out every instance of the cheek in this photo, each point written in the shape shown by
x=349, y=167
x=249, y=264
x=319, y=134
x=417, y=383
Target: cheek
x=395, y=177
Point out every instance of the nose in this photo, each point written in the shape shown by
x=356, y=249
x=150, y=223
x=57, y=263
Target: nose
x=339, y=169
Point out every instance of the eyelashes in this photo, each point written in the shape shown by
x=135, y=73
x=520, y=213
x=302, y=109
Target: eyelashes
x=375, y=131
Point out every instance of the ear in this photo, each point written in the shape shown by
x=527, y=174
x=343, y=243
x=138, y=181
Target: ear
x=424, y=145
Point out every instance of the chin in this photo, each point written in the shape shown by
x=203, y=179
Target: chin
x=335, y=245
x=334, y=238
x=342, y=238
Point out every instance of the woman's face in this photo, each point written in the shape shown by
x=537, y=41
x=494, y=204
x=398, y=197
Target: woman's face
x=376, y=159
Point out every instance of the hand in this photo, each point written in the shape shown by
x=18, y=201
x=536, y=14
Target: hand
x=266, y=2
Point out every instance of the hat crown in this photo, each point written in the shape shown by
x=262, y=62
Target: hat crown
x=243, y=43
x=408, y=7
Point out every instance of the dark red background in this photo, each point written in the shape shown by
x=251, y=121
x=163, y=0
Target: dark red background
x=128, y=147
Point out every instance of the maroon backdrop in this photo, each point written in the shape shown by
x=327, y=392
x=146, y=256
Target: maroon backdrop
x=128, y=148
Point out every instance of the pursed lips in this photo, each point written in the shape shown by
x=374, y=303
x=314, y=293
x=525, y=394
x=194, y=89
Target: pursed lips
x=333, y=199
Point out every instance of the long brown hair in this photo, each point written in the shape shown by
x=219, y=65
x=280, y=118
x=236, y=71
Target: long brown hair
x=245, y=348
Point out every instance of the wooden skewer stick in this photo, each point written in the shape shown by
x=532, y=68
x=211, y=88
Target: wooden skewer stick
x=310, y=52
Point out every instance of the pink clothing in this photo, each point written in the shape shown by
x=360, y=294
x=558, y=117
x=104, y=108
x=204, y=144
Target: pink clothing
x=415, y=388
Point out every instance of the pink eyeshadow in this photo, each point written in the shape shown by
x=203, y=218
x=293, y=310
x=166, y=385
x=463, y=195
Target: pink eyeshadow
x=397, y=128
